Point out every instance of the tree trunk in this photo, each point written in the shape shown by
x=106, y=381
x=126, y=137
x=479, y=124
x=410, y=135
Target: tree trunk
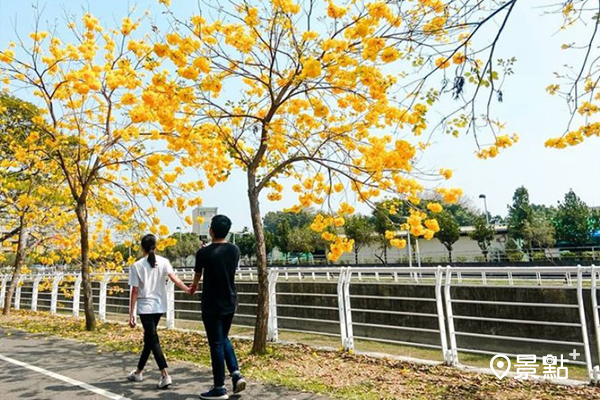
x=262, y=311
x=88, y=305
x=385, y=255
x=355, y=255
x=450, y=253
x=21, y=246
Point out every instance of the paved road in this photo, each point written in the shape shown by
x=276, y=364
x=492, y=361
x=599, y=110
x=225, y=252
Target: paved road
x=47, y=368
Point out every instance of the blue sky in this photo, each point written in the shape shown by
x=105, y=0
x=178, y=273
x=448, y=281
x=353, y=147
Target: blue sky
x=527, y=109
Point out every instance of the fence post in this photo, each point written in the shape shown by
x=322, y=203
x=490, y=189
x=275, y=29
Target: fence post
x=439, y=275
x=595, y=311
x=54, y=296
x=3, y=290
x=349, y=345
x=170, y=305
x=102, y=297
x=341, y=308
x=452, y=354
x=584, y=331
x=35, y=292
x=18, y=294
x=76, y=295
x=273, y=330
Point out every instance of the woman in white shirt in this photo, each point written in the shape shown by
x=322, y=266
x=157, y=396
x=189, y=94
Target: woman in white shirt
x=147, y=279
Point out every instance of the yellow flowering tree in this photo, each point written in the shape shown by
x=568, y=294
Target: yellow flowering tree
x=111, y=162
x=331, y=95
x=29, y=203
x=577, y=83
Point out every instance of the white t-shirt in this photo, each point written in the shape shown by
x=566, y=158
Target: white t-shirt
x=151, y=283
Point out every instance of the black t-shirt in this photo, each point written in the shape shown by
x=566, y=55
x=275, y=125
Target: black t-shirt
x=218, y=263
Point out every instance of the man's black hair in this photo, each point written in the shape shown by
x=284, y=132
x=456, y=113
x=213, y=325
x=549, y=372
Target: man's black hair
x=220, y=225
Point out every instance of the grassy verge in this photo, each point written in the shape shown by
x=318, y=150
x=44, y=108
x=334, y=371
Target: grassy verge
x=300, y=367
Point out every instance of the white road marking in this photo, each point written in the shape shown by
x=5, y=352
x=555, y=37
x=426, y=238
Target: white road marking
x=63, y=378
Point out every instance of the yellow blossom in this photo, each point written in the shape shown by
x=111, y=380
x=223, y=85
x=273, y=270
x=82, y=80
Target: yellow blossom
x=311, y=68
x=446, y=173
x=434, y=207
x=432, y=224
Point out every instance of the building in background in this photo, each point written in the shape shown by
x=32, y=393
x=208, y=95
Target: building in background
x=206, y=213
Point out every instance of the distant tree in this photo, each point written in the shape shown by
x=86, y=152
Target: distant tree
x=595, y=220
x=496, y=219
x=273, y=219
x=519, y=213
x=269, y=242
x=187, y=245
x=463, y=212
x=304, y=240
x=247, y=244
x=513, y=250
x=126, y=249
x=385, y=220
x=483, y=234
x=279, y=224
x=282, y=237
x=543, y=211
x=572, y=220
x=361, y=229
x=540, y=233
x=449, y=232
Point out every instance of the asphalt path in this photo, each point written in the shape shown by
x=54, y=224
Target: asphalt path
x=44, y=367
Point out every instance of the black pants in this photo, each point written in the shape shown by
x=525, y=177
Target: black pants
x=151, y=342
x=221, y=352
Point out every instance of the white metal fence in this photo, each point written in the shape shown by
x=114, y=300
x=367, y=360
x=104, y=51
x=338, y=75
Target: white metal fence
x=429, y=307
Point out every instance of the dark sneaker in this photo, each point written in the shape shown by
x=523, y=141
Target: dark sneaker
x=215, y=394
x=239, y=383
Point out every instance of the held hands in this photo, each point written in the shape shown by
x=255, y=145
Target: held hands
x=192, y=289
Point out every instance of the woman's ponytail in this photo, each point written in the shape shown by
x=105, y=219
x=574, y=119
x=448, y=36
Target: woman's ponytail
x=152, y=258
x=149, y=246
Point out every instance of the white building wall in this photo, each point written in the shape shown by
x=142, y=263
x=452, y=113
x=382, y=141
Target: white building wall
x=206, y=213
x=431, y=251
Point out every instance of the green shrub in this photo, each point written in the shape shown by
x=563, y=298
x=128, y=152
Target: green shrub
x=538, y=256
x=590, y=255
x=515, y=255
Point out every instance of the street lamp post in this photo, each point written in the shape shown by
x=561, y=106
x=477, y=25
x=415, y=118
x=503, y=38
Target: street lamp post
x=487, y=215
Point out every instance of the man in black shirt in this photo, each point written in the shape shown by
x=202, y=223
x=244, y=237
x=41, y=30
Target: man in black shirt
x=218, y=262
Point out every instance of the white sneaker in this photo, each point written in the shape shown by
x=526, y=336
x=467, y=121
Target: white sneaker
x=165, y=382
x=135, y=377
